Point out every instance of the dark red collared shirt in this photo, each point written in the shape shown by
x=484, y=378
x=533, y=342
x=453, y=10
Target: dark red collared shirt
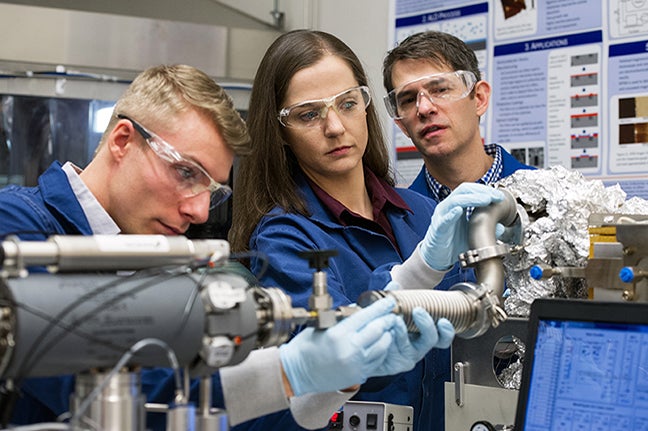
x=382, y=196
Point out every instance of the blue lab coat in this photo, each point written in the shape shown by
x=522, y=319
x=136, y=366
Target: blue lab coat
x=35, y=213
x=363, y=263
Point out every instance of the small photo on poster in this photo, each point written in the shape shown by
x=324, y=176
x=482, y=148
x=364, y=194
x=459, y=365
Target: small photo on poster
x=633, y=120
x=515, y=18
x=629, y=133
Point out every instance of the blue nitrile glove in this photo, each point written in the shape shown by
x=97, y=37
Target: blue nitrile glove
x=408, y=349
x=344, y=355
x=392, y=285
x=447, y=235
x=509, y=234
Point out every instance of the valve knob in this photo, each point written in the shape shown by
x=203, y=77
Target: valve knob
x=536, y=272
x=627, y=274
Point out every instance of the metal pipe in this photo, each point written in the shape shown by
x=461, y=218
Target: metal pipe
x=64, y=253
x=454, y=305
x=482, y=241
x=471, y=307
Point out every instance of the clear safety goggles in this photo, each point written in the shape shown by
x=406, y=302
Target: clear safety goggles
x=190, y=177
x=311, y=113
x=439, y=88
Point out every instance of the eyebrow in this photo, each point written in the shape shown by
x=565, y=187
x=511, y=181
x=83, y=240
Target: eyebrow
x=324, y=99
x=189, y=159
x=306, y=103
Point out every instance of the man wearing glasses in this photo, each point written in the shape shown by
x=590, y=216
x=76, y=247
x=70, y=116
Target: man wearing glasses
x=161, y=164
x=436, y=96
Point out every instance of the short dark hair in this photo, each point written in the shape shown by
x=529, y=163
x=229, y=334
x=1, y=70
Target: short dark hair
x=435, y=47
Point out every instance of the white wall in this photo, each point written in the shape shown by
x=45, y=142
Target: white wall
x=102, y=41
x=224, y=38
x=367, y=27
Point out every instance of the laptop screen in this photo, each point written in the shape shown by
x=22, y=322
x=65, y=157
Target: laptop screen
x=586, y=367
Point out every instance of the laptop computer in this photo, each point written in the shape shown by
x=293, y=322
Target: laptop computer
x=585, y=367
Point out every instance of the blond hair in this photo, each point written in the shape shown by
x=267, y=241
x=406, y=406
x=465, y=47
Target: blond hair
x=160, y=93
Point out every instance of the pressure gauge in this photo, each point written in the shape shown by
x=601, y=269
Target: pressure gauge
x=482, y=426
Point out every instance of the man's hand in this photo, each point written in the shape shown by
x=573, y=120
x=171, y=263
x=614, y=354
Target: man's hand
x=447, y=236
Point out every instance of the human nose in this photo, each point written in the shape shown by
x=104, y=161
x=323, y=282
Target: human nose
x=332, y=122
x=324, y=110
x=424, y=104
x=196, y=208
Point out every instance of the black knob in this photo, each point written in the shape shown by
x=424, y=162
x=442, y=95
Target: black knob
x=318, y=259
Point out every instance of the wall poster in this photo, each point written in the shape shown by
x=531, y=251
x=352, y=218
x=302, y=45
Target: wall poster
x=569, y=78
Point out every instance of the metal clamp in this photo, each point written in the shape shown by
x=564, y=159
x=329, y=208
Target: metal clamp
x=488, y=310
x=12, y=263
x=474, y=256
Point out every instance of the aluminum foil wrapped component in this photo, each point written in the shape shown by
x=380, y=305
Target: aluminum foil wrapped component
x=511, y=377
x=558, y=202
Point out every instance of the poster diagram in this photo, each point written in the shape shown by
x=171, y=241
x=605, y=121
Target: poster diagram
x=628, y=17
x=585, y=115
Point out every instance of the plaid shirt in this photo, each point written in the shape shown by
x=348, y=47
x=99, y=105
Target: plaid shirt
x=494, y=174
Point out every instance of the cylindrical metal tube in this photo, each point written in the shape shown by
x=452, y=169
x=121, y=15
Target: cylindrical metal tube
x=482, y=236
x=65, y=324
x=118, y=407
x=110, y=252
x=181, y=418
x=456, y=306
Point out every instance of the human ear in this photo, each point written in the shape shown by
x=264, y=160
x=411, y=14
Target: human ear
x=482, y=96
x=119, y=139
